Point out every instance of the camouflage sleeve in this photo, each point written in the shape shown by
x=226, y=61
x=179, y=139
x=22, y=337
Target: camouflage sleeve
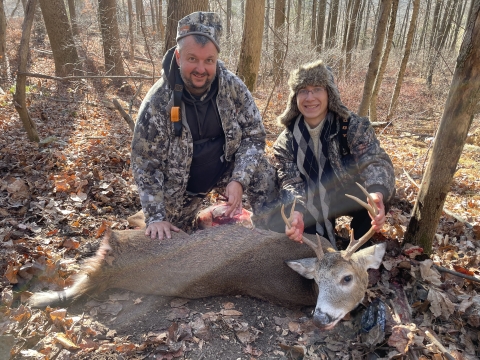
x=291, y=183
x=365, y=147
x=252, y=146
x=148, y=159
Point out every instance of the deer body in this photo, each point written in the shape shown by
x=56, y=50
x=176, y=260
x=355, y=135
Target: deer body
x=233, y=260
x=225, y=260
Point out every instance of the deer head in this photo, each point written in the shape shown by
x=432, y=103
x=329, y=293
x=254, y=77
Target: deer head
x=341, y=276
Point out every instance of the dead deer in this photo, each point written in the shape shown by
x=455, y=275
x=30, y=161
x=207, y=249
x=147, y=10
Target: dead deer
x=230, y=260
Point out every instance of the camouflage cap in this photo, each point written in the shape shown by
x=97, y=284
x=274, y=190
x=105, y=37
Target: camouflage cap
x=207, y=24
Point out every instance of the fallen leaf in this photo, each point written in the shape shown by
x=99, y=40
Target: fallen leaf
x=440, y=304
x=230, y=312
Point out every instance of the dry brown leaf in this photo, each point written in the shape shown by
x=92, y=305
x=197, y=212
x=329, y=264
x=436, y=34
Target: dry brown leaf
x=429, y=273
x=58, y=314
x=230, y=312
x=65, y=341
x=402, y=337
x=440, y=304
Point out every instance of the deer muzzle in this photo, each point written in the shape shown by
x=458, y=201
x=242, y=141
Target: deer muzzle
x=323, y=320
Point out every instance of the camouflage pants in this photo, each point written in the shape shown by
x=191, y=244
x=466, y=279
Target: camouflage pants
x=261, y=193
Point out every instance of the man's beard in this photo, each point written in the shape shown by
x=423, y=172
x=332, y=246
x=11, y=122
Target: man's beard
x=198, y=89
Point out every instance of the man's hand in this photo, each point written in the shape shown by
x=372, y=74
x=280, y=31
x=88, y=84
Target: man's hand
x=234, y=192
x=379, y=220
x=295, y=233
x=160, y=228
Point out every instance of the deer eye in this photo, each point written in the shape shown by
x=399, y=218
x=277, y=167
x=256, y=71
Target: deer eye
x=347, y=279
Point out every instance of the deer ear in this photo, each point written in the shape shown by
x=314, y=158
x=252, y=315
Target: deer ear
x=371, y=257
x=305, y=267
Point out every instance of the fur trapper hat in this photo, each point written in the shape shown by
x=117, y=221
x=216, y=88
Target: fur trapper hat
x=313, y=74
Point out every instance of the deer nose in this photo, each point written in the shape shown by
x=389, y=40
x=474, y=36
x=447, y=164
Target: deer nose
x=321, y=319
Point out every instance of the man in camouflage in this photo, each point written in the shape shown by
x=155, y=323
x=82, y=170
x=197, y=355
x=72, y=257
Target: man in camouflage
x=323, y=150
x=218, y=143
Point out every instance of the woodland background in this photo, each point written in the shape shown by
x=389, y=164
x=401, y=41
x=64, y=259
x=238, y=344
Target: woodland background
x=69, y=91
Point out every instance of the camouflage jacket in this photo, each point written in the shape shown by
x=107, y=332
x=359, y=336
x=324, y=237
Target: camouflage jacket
x=367, y=161
x=161, y=161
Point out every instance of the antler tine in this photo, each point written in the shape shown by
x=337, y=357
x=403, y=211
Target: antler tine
x=373, y=210
x=316, y=247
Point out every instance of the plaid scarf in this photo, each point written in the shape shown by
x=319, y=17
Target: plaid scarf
x=317, y=175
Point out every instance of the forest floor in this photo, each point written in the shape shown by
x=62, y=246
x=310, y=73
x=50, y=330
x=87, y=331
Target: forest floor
x=58, y=197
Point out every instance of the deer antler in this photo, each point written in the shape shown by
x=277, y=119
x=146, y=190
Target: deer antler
x=373, y=210
x=316, y=247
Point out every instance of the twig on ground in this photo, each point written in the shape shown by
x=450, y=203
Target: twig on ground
x=124, y=114
x=437, y=343
x=451, y=272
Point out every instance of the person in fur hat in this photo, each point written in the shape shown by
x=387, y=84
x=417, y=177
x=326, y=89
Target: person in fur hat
x=323, y=150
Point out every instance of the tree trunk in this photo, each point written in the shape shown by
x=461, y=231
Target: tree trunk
x=61, y=38
x=160, y=25
x=350, y=37
x=440, y=39
x=19, y=97
x=447, y=148
x=153, y=16
x=421, y=43
x=406, y=55
x=111, y=38
x=314, y=22
x=278, y=46
x=401, y=33
x=131, y=43
x=458, y=23
x=3, y=33
x=299, y=16
x=251, y=49
x=266, y=29
x=73, y=17
x=332, y=24
x=358, y=28
x=229, y=17
x=384, y=12
x=364, y=37
x=178, y=9
x=346, y=24
x=383, y=64
x=322, y=6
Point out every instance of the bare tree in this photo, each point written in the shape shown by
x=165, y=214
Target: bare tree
x=131, y=42
x=3, y=33
x=73, y=17
x=278, y=46
x=332, y=24
x=439, y=42
x=462, y=5
x=421, y=43
x=251, y=49
x=350, y=36
x=177, y=9
x=383, y=63
x=299, y=16
x=364, y=36
x=19, y=97
x=60, y=35
x=229, y=17
x=385, y=6
x=160, y=25
x=322, y=7
x=107, y=10
x=457, y=117
x=406, y=55
x=314, y=20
